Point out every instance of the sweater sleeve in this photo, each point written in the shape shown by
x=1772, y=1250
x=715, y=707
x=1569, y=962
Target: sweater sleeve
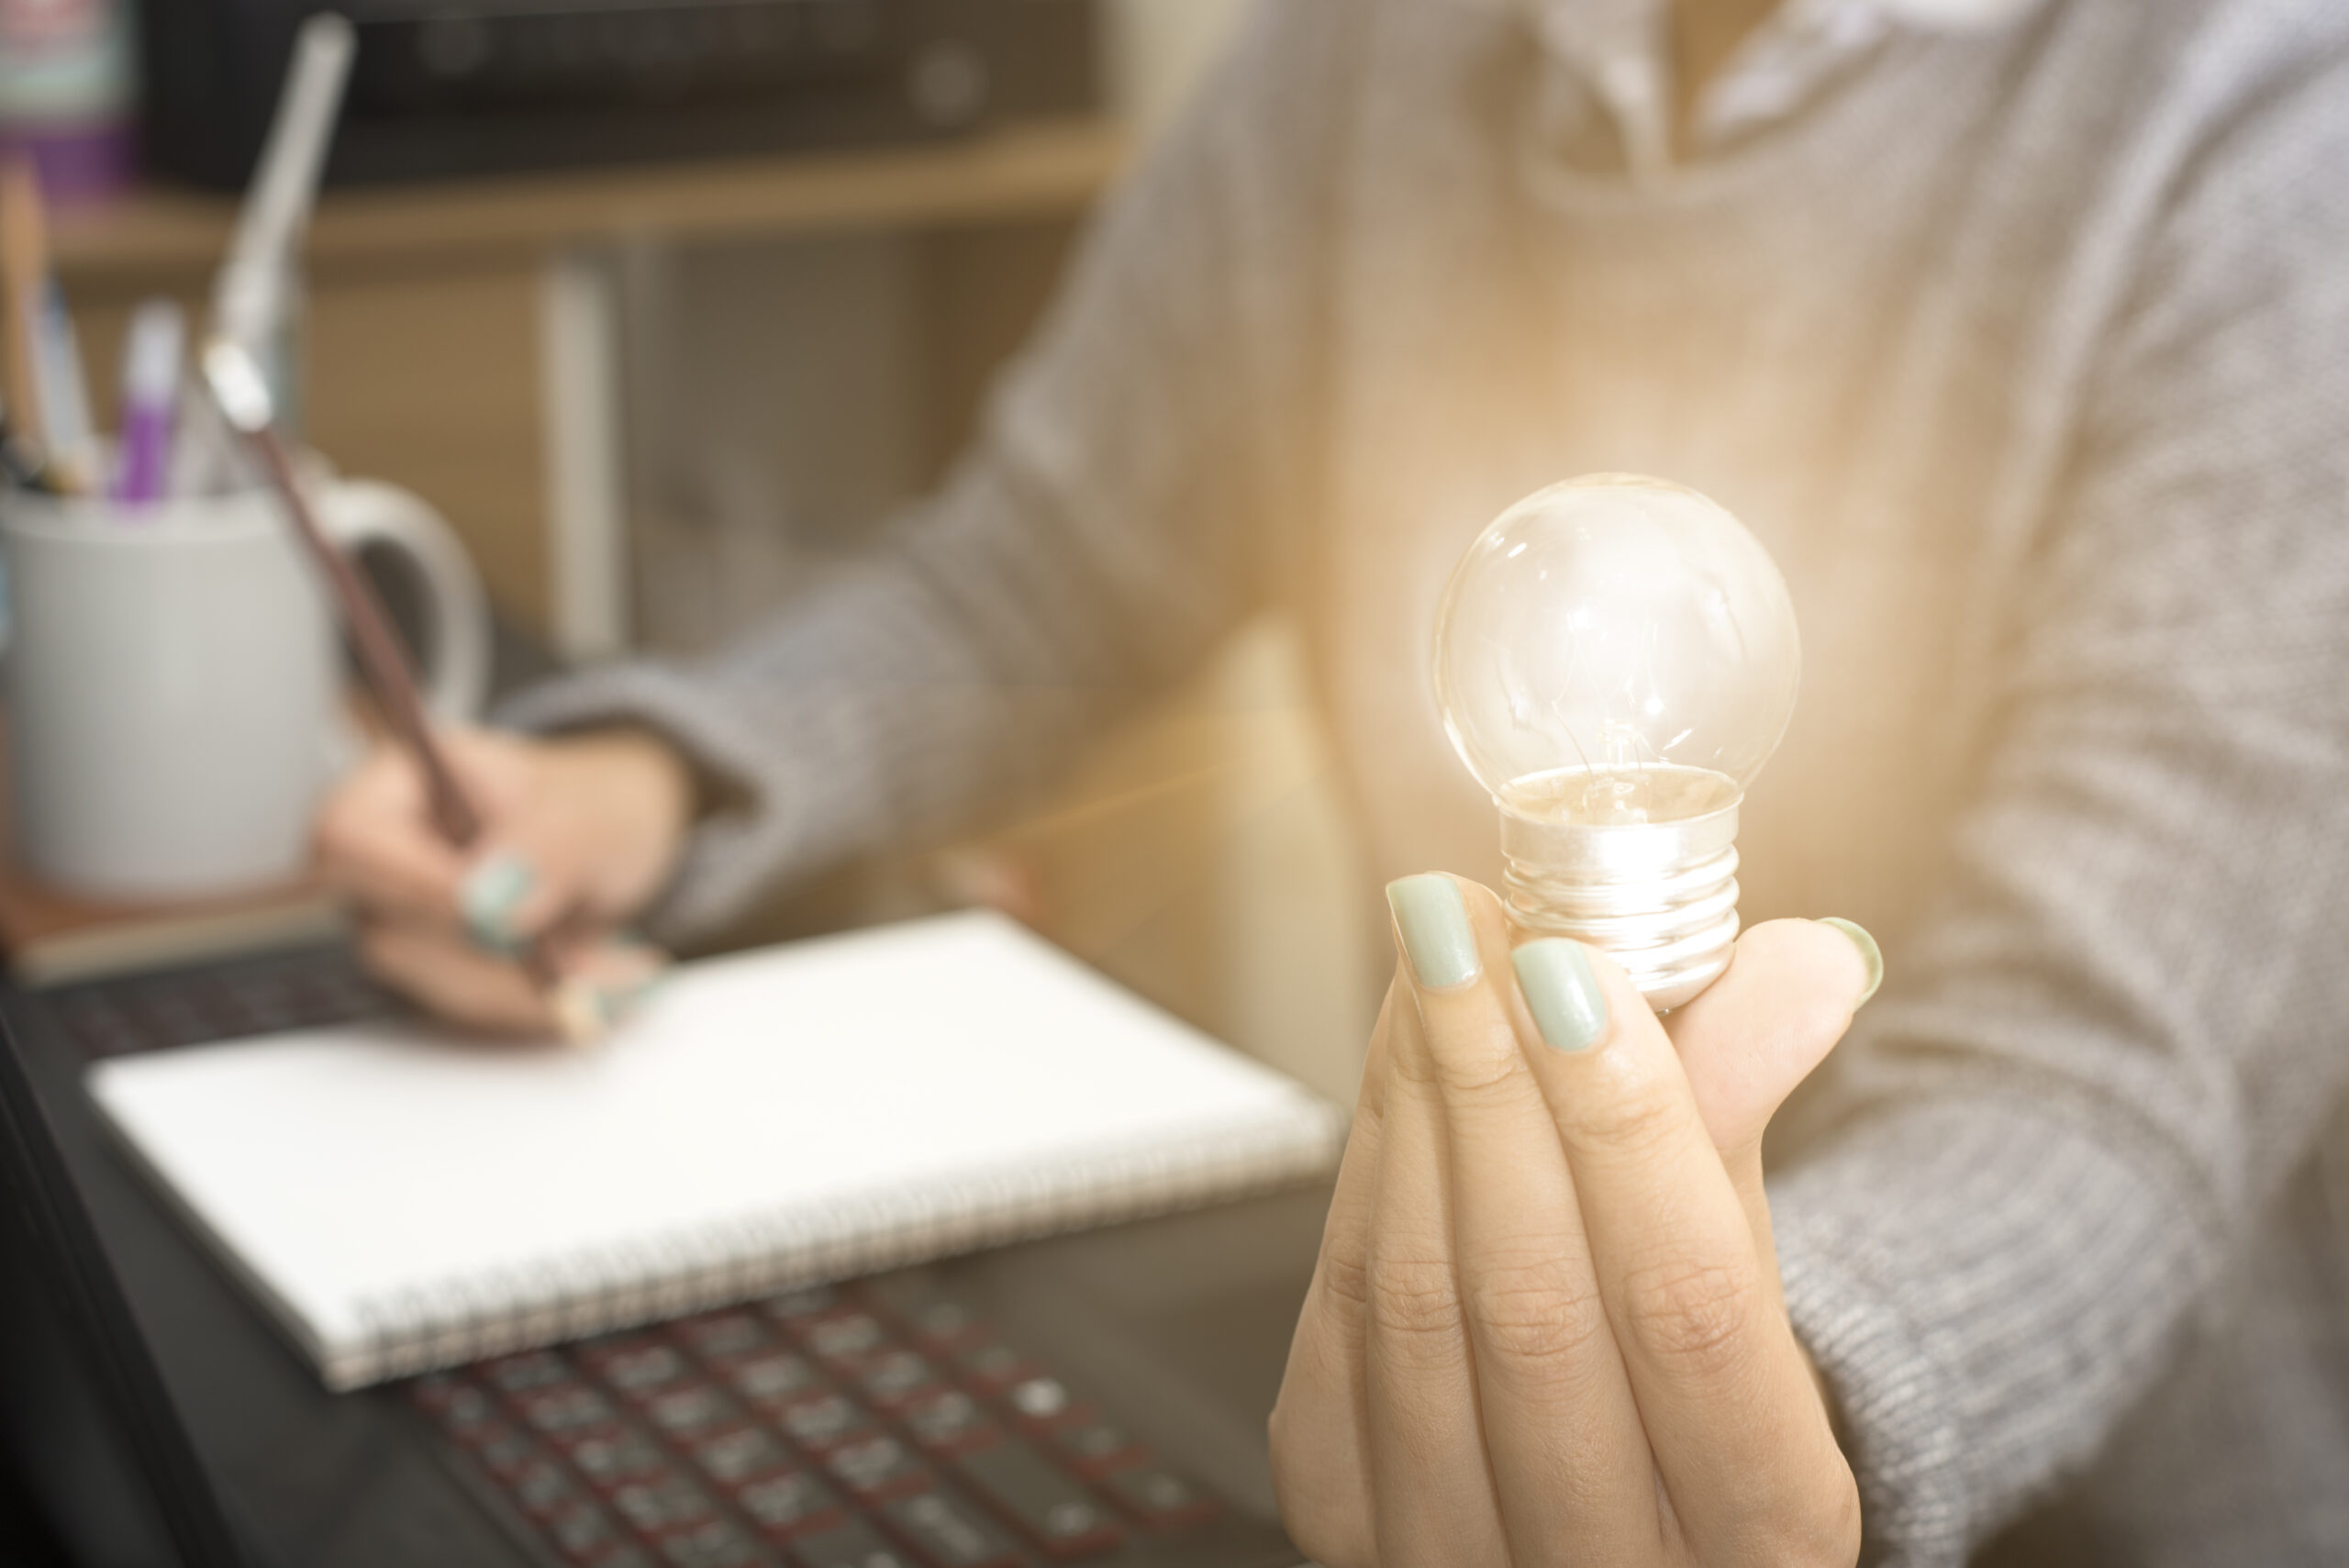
x=1123, y=505
x=2118, y=1032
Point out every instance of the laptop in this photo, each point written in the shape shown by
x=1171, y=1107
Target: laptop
x=1095, y=1399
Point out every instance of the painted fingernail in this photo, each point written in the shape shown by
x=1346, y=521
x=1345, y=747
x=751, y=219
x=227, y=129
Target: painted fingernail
x=1555, y=979
x=492, y=891
x=582, y=1011
x=1873, y=954
x=587, y=1007
x=1434, y=919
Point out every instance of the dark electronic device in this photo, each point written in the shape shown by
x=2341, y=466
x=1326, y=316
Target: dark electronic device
x=490, y=86
x=83, y=1419
x=899, y=1422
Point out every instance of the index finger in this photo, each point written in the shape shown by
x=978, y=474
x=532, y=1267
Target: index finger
x=374, y=841
x=1740, y=1437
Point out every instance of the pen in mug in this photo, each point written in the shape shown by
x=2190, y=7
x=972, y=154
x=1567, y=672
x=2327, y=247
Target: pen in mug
x=64, y=396
x=150, y=389
x=24, y=279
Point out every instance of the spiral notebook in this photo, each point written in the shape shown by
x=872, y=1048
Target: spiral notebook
x=398, y=1199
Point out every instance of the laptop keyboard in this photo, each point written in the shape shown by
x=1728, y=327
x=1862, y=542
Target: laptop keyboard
x=306, y=988
x=875, y=1425
x=880, y=1426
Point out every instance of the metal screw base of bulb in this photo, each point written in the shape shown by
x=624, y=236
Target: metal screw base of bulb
x=1658, y=898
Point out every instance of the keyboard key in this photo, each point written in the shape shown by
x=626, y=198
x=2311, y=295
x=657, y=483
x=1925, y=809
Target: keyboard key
x=465, y=1412
x=743, y=1455
x=949, y=1534
x=943, y=1323
x=789, y=1504
x=849, y=1338
x=1026, y=1488
x=690, y=1412
x=894, y=1377
x=584, y=1533
x=1159, y=1497
x=541, y=1487
x=949, y=1423
x=914, y=1299
x=993, y=1366
x=770, y=1380
x=713, y=1543
x=436, y=1392
x=661, y=1504
x=798, y=1306
x=1039, y=1399
x=825, y=1422
x=641, y=1369
x=520, y=1375
x=852, y=1545
x=452, y=1402
x=507, y=1454
x=723, y=1336
x=1096, y=1447
x=877, y=1467
x=568, y=1408
x=611, y=1457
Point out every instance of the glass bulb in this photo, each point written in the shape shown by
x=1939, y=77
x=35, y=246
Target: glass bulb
x=1616, y=658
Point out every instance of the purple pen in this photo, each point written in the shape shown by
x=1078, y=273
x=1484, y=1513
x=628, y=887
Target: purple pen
x=150, y=385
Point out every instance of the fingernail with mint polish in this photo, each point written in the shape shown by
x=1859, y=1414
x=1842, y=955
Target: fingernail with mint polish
x=492, y=891
x=1554, y=977
x=1873, y=954
x=1437, y=936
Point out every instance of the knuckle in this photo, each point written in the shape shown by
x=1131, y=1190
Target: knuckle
x=1475, y=1075
x=1691, y=1316
x=1535, y=1310
x=1639, y=1119
x=1413, y=1298
x=1345, y=1277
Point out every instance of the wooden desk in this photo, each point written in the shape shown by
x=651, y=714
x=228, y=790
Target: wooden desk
x=464, y=337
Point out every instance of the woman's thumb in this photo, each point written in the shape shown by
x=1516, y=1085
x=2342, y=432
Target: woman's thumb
x=1787, y=996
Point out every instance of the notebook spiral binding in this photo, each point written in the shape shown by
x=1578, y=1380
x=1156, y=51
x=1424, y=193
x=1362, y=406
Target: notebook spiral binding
x=545, y=1301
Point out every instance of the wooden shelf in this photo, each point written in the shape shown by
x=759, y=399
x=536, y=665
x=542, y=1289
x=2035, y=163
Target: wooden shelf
x=1029, y=170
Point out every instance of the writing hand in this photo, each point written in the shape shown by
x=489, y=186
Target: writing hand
x=580, y=833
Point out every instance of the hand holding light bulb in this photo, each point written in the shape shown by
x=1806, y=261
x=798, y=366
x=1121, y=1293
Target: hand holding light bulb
x=1547, y=1325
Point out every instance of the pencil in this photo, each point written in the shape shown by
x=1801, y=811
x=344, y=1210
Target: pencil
x=243, y=396
x=382, y=661
x=24, y=287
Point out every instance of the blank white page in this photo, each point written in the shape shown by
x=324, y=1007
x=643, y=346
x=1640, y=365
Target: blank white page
x=944, y=1082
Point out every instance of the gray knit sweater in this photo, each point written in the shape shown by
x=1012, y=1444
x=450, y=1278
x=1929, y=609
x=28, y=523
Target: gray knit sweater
x=2026, y=352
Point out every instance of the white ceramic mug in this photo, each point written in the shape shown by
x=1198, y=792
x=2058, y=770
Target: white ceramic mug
x=174, y=680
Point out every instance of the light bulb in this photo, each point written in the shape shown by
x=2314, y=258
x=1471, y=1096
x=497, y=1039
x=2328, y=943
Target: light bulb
x=1616, y=658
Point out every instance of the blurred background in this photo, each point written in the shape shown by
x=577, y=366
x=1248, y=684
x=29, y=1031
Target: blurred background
x=668, y=307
